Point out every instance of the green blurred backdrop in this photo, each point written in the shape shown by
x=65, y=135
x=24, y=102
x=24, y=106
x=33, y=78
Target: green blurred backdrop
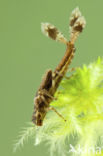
x=26, y=54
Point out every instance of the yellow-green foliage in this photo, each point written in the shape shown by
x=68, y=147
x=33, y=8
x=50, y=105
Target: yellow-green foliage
x=80, y=101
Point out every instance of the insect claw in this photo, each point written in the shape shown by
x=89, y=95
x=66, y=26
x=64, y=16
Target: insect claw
x=52, y=108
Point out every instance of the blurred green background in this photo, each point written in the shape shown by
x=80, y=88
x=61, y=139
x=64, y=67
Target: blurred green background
x=25, y=54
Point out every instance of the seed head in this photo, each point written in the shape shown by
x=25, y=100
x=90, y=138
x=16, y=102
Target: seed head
x=77, y=24
x=74, y=16
x=52, y=32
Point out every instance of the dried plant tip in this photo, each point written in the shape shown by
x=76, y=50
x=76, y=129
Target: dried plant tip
x=52, y=32
x=80, y=24
x=77, y=24
x=49, y=30
x=74, y=16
